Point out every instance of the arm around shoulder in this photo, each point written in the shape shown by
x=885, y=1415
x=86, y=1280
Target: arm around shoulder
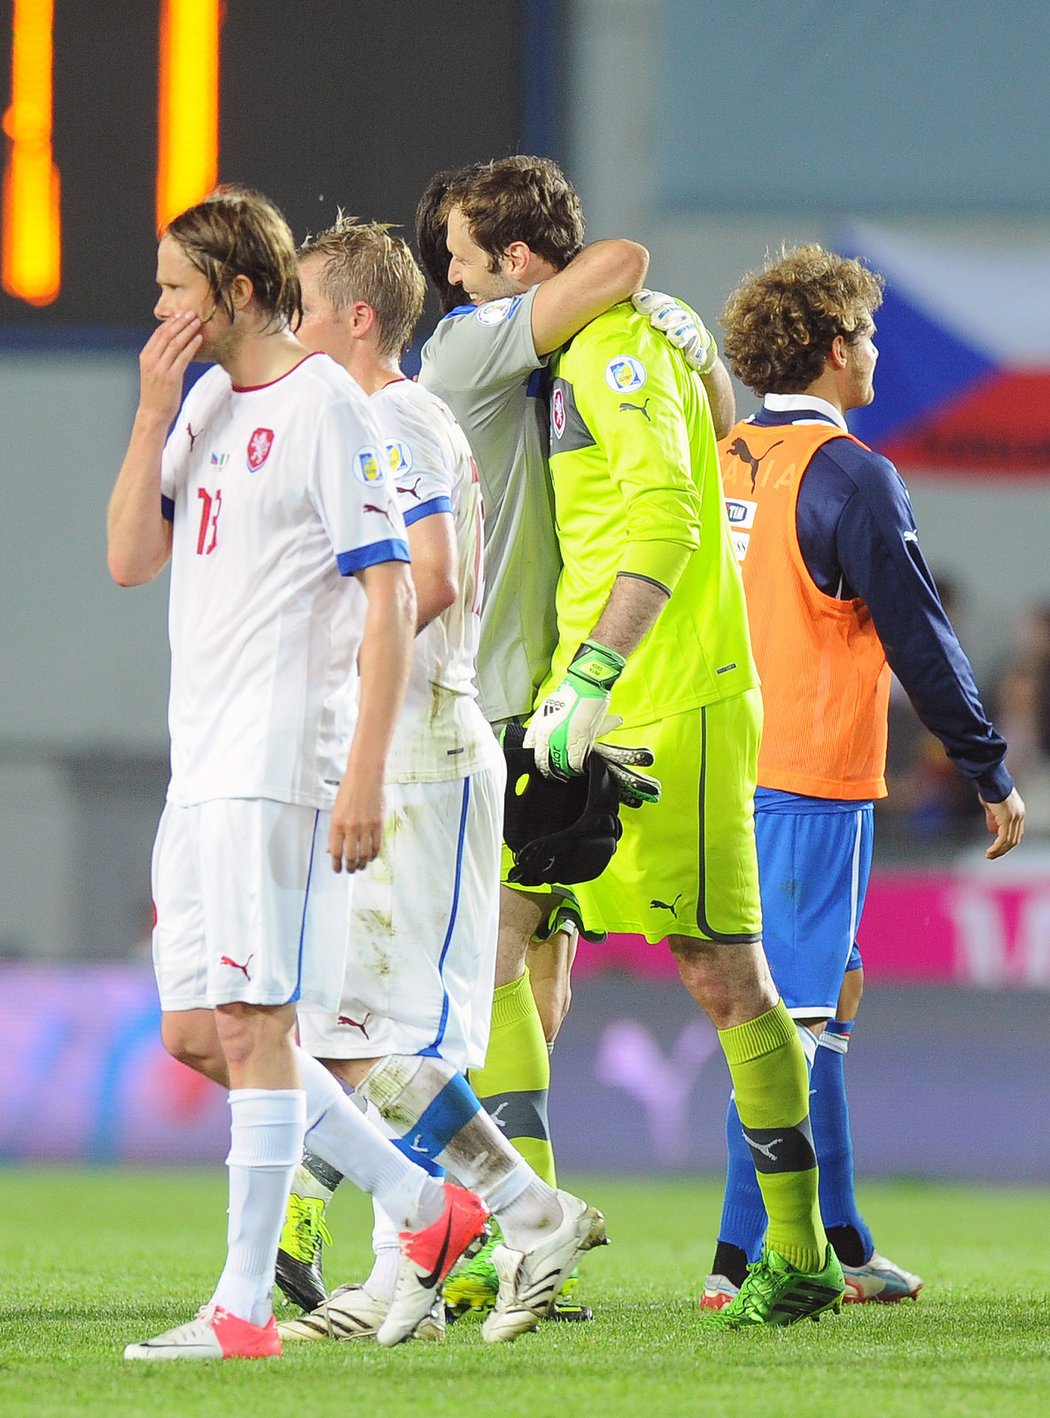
x=720, y=397
x=602, y=275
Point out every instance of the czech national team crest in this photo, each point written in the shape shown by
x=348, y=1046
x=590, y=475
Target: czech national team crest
x=259, y=446
x=558, y=413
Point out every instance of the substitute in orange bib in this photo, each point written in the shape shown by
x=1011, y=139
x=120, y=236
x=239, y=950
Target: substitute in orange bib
x=838, y=594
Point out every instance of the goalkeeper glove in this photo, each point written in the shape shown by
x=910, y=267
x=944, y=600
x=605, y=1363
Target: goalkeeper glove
x=635, y=789
x=564, y=727
x=679, y=326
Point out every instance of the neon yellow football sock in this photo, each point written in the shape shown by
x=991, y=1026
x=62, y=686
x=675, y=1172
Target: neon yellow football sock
x=514, y=1082
x=771, y=1080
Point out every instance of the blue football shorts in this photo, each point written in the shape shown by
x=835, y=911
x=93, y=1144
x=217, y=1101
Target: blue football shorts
x=814, y=861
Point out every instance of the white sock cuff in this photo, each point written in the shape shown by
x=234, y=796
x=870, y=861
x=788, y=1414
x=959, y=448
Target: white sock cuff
x=808, y=1041
x=837, y=1043
x=267, y=1127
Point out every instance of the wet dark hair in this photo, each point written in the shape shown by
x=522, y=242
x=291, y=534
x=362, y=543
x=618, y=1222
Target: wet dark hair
x=236, y=231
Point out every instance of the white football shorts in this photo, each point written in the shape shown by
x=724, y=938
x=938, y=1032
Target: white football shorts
x=247, y=906
x=423, y=926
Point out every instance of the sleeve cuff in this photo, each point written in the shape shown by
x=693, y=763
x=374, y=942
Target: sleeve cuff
x=660, y=562
x=374, y=554
x=428, y=509
x=995, y=785
x=167, y=508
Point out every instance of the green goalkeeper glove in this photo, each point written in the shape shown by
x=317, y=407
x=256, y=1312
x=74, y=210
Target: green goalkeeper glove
x=686, y=331
x=565, y=725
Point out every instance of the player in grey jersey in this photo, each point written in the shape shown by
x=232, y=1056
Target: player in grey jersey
x=487, y=359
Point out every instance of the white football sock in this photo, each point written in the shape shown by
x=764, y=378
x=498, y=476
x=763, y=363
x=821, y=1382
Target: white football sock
x=266, y=1143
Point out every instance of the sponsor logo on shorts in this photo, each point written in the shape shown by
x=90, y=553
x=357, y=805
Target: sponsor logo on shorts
x=350, y=1023
x=259, y=446
x=625, y=373
x=493, y=311
x=672, y=906
x=398, y=457
x=236, y=964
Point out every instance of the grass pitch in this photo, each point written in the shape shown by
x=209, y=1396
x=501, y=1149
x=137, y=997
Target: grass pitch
x=92, y=1259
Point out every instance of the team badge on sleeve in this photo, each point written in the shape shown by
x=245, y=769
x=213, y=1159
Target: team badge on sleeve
x=368, y=467
x=558, y=413
x=259, y=446
x=493, y=311
x=398, y=457
x=624, y=373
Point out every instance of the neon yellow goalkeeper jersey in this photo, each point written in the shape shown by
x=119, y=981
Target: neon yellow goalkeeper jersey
x=637, y=490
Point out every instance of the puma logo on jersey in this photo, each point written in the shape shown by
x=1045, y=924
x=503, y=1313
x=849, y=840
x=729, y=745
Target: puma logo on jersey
x=371, y=507
x=355, y=1023
x=236, y=964
x=655, y=905
x=191, y=435
x=740, y=450
x=411, y=491
x=642, y=409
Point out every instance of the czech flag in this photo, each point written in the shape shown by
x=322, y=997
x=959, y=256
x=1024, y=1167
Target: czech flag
x=963, y=379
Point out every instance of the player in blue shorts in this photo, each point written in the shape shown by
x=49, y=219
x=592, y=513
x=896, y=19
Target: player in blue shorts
x=838, y=593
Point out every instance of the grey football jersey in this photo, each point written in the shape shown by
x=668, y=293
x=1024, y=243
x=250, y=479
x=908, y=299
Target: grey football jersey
x=484, y=364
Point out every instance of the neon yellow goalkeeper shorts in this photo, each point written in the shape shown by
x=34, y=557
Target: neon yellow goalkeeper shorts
x=687, y=865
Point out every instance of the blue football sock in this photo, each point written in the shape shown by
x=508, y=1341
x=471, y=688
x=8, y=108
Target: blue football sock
x=829, y=1115
x=743, y=1211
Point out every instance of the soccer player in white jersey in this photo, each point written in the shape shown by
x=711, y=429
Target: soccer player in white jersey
x=291, y=621
x=418, y=988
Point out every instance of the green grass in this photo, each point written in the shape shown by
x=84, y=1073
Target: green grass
x=90, y=1260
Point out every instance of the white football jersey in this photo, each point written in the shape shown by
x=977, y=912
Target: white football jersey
x=277, y=494
x=441, y=733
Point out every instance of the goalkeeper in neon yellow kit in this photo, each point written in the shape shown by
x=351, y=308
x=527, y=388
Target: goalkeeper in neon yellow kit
x=653, y=630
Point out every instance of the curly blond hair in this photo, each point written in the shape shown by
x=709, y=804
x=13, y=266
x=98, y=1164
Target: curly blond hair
x=780, y=322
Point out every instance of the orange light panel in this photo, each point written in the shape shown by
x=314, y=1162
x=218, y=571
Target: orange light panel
x=188, y=105
x=31, y=242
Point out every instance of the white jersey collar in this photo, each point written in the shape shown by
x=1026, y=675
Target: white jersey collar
x=789, y=403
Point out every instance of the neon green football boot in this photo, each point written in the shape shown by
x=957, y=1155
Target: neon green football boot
x=474, y=1284
x=774, y=1292
x=299, y=1270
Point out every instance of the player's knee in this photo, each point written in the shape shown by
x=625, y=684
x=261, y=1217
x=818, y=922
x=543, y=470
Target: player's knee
x=192, y=1045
